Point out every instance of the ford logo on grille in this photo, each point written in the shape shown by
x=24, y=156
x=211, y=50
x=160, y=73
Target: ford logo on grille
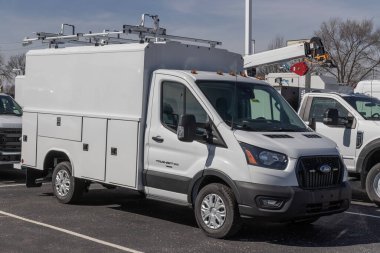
x=325, y=168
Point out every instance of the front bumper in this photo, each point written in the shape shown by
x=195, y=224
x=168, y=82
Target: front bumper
x=298, y=203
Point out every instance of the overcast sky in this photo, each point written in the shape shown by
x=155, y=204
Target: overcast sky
x=221, y=20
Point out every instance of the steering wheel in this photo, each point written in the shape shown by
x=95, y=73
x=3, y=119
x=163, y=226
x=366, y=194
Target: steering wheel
x=261, y=118
x=375, y=115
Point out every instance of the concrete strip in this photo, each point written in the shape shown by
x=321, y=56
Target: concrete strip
x=10, y=185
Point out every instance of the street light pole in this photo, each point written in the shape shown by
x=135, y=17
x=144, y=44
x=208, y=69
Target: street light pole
x=248, y=27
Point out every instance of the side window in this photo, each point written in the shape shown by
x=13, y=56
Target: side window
x=173, y=98
x=178, y=100
x=320, y=105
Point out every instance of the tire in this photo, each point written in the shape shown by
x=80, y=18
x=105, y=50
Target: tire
x=66, y=188
x=213, y=224
x=372, y=184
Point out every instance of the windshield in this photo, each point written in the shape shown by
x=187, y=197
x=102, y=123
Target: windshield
x=256, y=107
x=368, y=107
x=9, y=106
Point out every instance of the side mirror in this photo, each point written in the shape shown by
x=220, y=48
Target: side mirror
x=331, y=117
x=186, y=128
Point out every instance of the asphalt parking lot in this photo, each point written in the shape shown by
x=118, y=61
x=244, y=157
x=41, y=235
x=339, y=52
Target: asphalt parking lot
x=31, y=220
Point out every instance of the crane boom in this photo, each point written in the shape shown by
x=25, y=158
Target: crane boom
x=313, y=50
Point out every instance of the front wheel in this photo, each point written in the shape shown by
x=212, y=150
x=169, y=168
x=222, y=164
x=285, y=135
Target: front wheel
x=216, y=211
x=66, y=188
x=372, y=184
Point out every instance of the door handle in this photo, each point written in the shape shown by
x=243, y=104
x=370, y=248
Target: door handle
x=158, y=139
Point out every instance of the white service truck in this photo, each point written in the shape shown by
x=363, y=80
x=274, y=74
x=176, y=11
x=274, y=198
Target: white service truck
x=368, y=87
x=171, y=121
x=353, y=122
x=10, y=132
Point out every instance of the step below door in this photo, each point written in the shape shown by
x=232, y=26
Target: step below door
x=121, y=164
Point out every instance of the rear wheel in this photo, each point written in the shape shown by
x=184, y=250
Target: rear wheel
x=216, y=211
x=373, y=184
x=66, y=188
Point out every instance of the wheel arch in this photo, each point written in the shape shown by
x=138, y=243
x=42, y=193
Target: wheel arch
x=208, y=176
x=368, y=157
x=60, y=155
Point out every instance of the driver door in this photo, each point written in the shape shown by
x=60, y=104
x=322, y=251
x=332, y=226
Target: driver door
x=344, y=137
x=171, y=164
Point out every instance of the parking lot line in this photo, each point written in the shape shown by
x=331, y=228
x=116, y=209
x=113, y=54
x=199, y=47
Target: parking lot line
x=363, y=214
x=116, y=246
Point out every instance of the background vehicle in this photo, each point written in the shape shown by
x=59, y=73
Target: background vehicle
x=10, y=132
x=352, y=121
x=369, y=87
x=171, y=121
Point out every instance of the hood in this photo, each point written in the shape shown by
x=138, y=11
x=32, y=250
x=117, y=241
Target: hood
x=293, y=144
x=10, y=121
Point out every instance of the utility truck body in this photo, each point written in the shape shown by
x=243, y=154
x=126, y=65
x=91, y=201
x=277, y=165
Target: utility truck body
x=369, y=87
x=171, y=121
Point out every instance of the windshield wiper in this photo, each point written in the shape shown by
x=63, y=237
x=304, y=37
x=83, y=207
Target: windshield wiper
x=235, y=125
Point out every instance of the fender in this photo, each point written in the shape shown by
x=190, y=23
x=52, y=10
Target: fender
x=198, y=178
x=57, y=150
x=362, y=161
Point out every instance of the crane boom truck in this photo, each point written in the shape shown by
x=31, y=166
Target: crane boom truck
x=313, y=50
x=175, y=122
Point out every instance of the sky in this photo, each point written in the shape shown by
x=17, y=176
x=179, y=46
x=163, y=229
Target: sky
x=221, y=20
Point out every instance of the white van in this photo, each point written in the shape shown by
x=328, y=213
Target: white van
x=169, y=120
x=369, y=87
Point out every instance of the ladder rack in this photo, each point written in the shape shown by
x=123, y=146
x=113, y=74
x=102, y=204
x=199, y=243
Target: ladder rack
x=144, y=34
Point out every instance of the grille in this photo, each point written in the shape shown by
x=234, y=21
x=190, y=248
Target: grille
x=309, y=174
x=10, y=140
x=321, y=207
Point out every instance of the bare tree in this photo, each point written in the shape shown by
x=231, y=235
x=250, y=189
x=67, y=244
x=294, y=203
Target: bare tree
x=354, y=48
x=16, y=66
x=277, y=42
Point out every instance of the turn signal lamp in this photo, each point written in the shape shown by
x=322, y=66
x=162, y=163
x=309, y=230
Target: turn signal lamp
x=194, y=72
x=219, y=73
x=250, y=158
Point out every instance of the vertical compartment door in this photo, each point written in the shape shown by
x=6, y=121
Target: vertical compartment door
x=29, y=138
x=122, y=152
x=92, y=163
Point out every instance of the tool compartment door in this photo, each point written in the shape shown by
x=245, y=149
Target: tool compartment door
x=121, y=164
x=92, y=162
x=29, y=138
x=60, y=126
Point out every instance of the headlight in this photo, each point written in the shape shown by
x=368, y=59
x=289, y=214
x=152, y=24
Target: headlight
x=264, y=158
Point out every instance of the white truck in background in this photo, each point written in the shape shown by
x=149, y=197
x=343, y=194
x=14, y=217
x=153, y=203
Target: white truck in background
x=10, y=132
x=177, y=123
x=353, y=122
x=368, y=87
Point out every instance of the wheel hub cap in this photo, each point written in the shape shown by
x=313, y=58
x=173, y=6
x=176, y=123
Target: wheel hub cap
x=213, y=211
x=62, y=183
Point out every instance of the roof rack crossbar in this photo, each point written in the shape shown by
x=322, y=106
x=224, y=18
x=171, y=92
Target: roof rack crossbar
x=114, y=37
